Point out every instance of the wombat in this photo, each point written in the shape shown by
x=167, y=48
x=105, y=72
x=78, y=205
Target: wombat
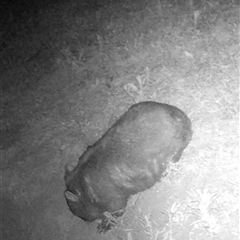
x=129, y=158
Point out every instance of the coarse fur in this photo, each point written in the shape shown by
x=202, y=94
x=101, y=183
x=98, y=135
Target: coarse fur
x=129, y=158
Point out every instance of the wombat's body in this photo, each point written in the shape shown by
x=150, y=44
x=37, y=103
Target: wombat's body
x=129, y=158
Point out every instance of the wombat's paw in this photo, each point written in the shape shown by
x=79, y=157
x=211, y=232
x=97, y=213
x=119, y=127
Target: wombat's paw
x=109, y=221
x=106, y=225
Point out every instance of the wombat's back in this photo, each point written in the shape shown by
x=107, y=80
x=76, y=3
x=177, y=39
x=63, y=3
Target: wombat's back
x=146, y=129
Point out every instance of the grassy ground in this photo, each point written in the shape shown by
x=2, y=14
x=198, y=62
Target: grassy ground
x=71, y=69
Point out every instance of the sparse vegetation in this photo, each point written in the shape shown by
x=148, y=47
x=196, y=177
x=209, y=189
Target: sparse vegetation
x=69, y=71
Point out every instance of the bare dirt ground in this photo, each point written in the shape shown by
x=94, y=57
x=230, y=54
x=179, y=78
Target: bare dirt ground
x=68, y=74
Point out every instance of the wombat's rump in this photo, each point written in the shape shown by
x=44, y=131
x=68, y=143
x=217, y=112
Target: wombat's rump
x=129, y=158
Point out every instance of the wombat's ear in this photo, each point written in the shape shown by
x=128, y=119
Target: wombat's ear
x=70, y=196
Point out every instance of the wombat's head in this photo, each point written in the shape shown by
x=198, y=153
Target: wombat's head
x=80, y=197
x=80, y=206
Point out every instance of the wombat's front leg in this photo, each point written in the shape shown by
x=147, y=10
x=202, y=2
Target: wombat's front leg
x=109, y=221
